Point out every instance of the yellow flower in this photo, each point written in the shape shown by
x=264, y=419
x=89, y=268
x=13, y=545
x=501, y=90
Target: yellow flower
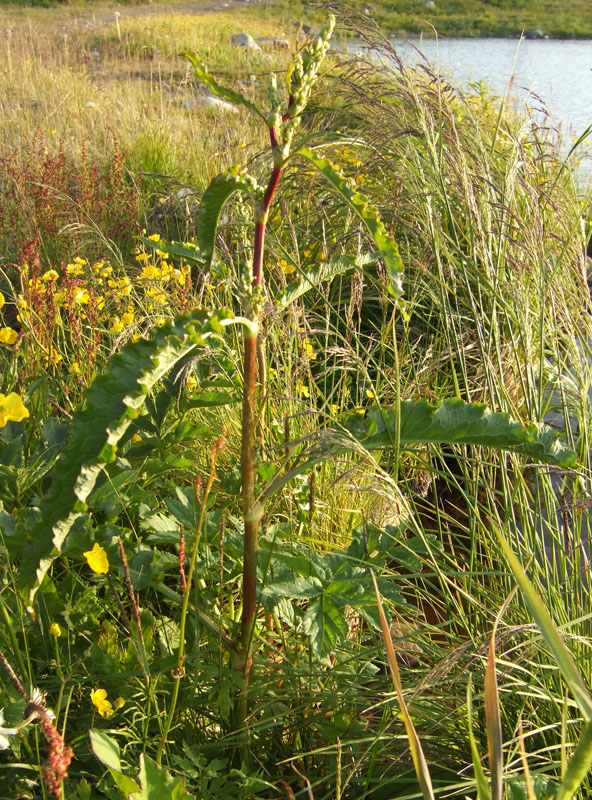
x=334, y=409
x=50, y=275
x=302, y=389
x=191, y=382
x=127, y=318
x=8, y=336
x=308, y=348
x=287, y=269
x=98, y=266
x=125, y=286
x=155, y=237
x=81, y=296
x=80, y=261
x=99, y=700
x=11, y=408
x=136, y=438
x=143, y=256
x=55, y=630
x=2, y=299
x=119, y=703
x=116, y=325
x=74, y=368
x=150, y=272
x=53, y=357
x=97, y=559
x=370, y=394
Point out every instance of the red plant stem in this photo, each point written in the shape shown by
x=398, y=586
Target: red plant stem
x=250, y=516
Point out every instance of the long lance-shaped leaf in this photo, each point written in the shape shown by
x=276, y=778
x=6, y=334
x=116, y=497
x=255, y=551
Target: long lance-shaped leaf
x=385, y=244
x=483, y=792
x=493, y=719
x=319, y=275
x=112, y=402
x=220, y=190
x=550, y=634
x=419, y=761
x=578, y=767
x=420, y=422
x=202, y=74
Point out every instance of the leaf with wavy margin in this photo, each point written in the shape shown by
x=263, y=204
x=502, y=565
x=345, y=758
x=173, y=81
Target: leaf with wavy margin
x=420, y=422
x=387, y=247
x=112, y=402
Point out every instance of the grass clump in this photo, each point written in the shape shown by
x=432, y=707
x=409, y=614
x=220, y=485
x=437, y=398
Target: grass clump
x=487, y=219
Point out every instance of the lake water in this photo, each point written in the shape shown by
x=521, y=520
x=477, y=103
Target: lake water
x=558, y=72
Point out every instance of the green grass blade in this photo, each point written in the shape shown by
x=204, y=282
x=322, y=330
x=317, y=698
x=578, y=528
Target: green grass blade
x=112, y=402
x=493, y=720
x=483, y=792
x=385, y=244
x=419, y=761
x=578, y=767
x=541, y=616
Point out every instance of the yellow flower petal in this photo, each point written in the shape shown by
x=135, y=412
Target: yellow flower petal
x=12, y=408
x=97, y=560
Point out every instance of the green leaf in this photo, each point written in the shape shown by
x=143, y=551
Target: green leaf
x=105, y=749
x=112, y=402
x=418, y=421
x=456, y=422
x=386, y=245
x=187, y=251
x=483, y=792
x=202, y=74
x=124, y=783
x=321, y=274
x=157, y=784
x=220, y=190
x=325, y=624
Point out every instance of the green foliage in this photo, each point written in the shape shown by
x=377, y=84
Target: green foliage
x=154, y=782
x=386, y=245
x=112, y=403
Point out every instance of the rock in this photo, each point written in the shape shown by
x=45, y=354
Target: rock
x=536, y=33
x=205, y=101
x=428, y=4
x=245, y=40
x=274, y=42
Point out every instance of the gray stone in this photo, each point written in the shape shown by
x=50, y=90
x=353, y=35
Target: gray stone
x=274, y=42
x=428, y=4
x=245, y=40
x=205, y=101
x=536, y=33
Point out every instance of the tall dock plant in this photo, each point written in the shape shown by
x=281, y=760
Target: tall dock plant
x=116, y=398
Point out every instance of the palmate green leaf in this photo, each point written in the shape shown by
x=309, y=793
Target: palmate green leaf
x=112, y=402
x=385, y=244
x=325, y=624
x=321, y=274
x=420, y=422
x=202, y=74
x=219, y=191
